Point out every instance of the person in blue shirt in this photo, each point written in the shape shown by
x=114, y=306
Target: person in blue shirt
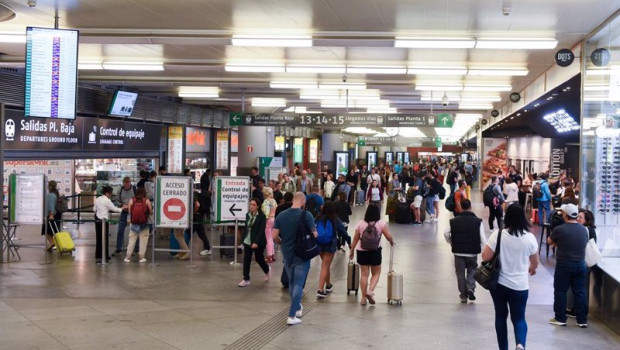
x=51, y=214
x=397, y=167
x=317, y=198
x=544, y=202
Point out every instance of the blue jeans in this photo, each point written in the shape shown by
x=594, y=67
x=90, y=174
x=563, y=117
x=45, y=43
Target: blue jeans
x=452, y=188
x=546, y=205
x=570, y=275
x=430, y=207
x=120, y=235
x=297, y=271
x=504, y=298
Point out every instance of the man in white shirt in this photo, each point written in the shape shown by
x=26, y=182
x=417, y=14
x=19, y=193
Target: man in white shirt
x=102, y=207
x=373, y=177
x=466, y=235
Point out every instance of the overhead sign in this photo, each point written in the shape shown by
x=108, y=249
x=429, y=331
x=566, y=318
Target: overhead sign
x=564, y=57
x=173, y=201
x=79, y=134
x=27, y=199
x=197, y=140
x=331, y=120
x=232, y=197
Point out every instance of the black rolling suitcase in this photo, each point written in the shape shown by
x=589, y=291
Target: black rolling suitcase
x=403, y=213
x=229, y=241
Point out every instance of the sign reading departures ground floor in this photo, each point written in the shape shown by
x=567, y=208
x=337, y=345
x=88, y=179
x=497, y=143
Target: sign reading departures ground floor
x=342, y=120
x=232, y=197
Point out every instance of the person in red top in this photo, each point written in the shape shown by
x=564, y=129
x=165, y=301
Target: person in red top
x=459, y=195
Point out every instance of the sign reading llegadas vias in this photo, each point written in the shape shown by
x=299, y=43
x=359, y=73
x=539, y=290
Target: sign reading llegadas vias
x=83, y=133
x=331, y=120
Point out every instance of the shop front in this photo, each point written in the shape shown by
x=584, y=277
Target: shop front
x=600, y=158
x=197, y=151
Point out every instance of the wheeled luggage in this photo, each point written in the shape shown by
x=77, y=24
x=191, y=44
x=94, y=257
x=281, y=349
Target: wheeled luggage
x=174, y=244
x=360, y=197
x=353, y=277
x=62, y=240
x=403, y=213
x=423, y=210
x=395, y=283
x=227, y=240
x=534, y=216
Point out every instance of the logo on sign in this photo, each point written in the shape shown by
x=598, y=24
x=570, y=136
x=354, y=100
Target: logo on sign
x=92, y=136
x=9, y=129
x=564, y=57
x=196, y=138
x=174, y=209
x=248, y=119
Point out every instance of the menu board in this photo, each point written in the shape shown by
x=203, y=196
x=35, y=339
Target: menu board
x=221, y=145
x=175, y=149
x=494, y=158
x=51, y=73
x=27, y=199
x=313, y=151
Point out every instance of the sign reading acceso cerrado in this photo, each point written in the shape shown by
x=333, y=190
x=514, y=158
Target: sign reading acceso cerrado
x=173, y=201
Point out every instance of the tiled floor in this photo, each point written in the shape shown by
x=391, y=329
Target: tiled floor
x=72, y=303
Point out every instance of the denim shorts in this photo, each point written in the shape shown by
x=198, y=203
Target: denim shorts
x=137, y=228
x=329, y=247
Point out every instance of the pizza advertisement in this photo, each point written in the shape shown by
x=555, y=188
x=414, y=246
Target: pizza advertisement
x=494, y=158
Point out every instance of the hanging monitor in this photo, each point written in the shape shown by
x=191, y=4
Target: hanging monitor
x=51, y=72
x=122, y=103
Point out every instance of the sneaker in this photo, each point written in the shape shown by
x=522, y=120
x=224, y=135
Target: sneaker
x=268, y=275
x=244, y=283
x=435, y=219
x=116, y=252
x=127, y=260
x=553, y=321
x=142, y=261
x=299, y=313
x=371, y=298
x=463, y=298
x=205, y=252
x=582, y=325
x=470, y=295
x=185, y=256
x=329, y=288
x=291, y=321
x=321, y=294
x=570, y=313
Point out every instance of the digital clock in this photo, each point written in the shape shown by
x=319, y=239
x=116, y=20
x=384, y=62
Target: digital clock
x=321, y=120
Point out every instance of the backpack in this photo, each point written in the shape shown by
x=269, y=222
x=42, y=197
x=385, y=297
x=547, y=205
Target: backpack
x=312, y=206
x=442, y=192
x=554, y=187
x=370, y=238
x=450, y=204
x=62, y=204
x=537, y=190
x=139, y=212
x=325, y=231
x=488, y=196
x=306, y=246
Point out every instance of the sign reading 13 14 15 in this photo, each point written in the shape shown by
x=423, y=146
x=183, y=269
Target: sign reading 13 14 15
x=322, y=120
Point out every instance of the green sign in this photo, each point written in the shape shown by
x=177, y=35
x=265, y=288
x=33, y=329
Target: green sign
x=361, y=143
x=438, y=142
x=443, y=120
x=235, y=119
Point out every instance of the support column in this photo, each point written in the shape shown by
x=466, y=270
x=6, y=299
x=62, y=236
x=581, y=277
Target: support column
x=254, y=142
x=330, y=142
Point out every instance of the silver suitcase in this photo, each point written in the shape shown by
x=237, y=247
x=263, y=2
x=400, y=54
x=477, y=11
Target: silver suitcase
x=353, y=277
x=395, y=283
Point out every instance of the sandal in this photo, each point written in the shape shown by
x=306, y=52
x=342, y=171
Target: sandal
x=370, y=298
x=363, y=302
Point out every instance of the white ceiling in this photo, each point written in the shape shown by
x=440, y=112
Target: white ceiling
x=192, y=38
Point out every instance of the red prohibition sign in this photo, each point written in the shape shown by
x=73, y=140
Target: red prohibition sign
x=174, y=209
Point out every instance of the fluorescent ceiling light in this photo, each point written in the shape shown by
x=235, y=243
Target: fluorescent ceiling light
x=437, y=70
x=527, y=44
x=436, y=43
x=199, y=92
x=344, y=86
x=498, y=71
x=272, y=41
x=474, y=116
x=481, y=99
x=410, y=132
x=485, y=87
x=359, y=130
x=300, y=109
x=387, y=110
x=603, y=71
x=438, y=87
x=293, y=84
x=475, y=106
x=13, y=38
x=601, y=87
x=255, y=68
x=268, y=102
x=355, y=104
x=90, y=66
x=377, y=69
x=336, y=69
x=137, y=66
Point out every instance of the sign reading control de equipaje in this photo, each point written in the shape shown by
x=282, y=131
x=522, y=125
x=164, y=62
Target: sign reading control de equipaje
x=232, y=197
x=173, y=201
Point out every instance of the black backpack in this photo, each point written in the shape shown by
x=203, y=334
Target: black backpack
x=537, y=190
x=488, y=196
x=312, y=206
x=450, y=204
x=442, y=192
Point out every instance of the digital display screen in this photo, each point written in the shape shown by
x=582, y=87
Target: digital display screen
x=122, y=103
x=51, y=73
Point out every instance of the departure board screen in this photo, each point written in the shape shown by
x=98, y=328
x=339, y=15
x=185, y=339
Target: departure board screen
x=51, y=72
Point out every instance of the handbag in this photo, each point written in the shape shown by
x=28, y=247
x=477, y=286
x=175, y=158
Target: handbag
x=306, y=246
x=487, y=274
x=593, y=254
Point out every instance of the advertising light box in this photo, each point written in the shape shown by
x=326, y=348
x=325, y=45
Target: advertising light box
x=122, y=103
x=51, y=73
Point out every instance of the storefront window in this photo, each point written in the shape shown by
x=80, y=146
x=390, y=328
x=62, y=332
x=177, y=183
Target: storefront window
x=600, y=139
x=92, y=174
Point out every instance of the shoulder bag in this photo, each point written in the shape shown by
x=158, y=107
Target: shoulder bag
x=306, y=246
x=487, y=273
x=593, y=254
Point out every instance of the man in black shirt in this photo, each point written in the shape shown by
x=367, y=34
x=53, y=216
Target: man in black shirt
x=288, y=202
x=516, y=178
x=144, y=177
x=571, y=239
x=254, y=176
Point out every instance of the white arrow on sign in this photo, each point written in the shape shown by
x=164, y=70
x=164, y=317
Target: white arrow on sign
x=236, y=118
x=445, y=120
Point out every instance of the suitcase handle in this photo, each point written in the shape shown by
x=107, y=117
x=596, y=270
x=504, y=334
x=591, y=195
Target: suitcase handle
x=391, y=259
x=55, y=226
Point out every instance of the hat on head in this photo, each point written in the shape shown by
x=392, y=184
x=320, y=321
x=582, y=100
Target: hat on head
x=570, y=210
